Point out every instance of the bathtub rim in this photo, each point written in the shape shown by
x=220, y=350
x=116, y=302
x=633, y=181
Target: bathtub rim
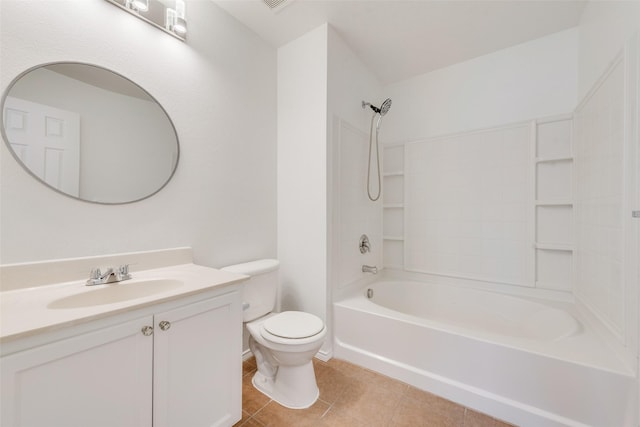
x=553, y=298
x=545, y=296
x=621, y=365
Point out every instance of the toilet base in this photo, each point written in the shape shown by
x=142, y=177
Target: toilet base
x=293, y=387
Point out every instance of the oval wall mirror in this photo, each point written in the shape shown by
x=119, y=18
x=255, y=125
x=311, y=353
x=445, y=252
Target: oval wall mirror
x=89, y=133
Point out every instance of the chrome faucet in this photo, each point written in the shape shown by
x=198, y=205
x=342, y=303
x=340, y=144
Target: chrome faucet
x=364, y=244
x=370, y=269
x=96, y=277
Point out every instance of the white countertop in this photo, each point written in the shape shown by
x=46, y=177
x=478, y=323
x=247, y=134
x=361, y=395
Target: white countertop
x=25, y=312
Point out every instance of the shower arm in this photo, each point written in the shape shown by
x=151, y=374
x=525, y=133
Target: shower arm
x=370, y=105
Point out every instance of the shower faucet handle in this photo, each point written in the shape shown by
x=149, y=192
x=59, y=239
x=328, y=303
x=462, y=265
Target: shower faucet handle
x=364, y=244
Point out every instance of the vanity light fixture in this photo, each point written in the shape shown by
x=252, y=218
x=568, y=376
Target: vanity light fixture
x=180, y=8
x=175, y=19
x=170, y=19
x=167, y=15
x=180, y=27
x=139, y=5
x=175, y=24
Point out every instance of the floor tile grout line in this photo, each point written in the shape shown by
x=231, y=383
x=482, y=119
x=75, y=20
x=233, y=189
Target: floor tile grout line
x=401, y=397
x=324, y=414
x=254, y=419
x=261, y=408
x=258, y=411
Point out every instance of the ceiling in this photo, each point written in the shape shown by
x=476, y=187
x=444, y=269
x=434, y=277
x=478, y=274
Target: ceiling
x=399, y=39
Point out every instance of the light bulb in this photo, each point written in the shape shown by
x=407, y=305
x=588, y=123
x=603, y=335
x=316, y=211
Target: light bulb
x=180, y=27
x=180, y=9
x=141, y=5
x=170, y=19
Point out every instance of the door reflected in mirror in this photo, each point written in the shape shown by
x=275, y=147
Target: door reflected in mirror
x=89, y=133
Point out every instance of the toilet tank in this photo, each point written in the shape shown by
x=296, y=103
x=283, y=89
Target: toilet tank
x=261, y=289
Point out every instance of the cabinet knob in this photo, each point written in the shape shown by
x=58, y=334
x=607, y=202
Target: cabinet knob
x=147, y=330
x=164, y=325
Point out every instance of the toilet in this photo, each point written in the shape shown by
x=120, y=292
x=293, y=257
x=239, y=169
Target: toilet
x=283, y=343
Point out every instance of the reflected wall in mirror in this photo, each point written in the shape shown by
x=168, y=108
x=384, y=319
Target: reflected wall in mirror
x=89, y=133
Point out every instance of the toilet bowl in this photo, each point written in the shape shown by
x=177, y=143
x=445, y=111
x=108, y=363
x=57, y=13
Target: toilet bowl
x=283, y=343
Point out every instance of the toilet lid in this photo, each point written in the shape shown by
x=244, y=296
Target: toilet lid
x=294, y=324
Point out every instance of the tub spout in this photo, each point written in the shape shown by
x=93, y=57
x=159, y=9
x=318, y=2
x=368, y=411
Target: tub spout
x=370, y=269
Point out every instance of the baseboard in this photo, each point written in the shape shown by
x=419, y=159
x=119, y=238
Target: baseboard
x=324, y=355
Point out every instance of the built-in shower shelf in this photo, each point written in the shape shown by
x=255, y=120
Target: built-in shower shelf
x=553, y=207
x=554, y=203
x=554, y=247
x=393, y=207
x=553, y=159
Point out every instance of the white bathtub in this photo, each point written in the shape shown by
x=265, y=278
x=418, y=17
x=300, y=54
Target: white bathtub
x=518, y=360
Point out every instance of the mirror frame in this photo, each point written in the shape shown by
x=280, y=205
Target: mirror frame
x=15, y=156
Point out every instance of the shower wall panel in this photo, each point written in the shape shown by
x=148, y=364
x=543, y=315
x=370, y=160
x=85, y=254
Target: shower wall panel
x=600, y=169
x=468, y=205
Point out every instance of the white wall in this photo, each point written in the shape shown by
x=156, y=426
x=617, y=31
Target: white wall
x=219, y=88
x=605, y=26
x=350, y=82
x=522, y=83
x=533, y=79
x=302, y=172
x=321, y=84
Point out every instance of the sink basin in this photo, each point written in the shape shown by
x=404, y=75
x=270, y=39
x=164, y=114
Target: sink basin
x=116, y=292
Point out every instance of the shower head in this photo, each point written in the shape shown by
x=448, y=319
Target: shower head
x=384, y=108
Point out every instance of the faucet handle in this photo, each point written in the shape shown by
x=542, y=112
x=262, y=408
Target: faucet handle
x=364, y=244
x=95, y=273
x=123, y=272
x=95, y=277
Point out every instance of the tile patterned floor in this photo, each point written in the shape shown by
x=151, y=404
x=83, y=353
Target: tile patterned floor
x=351, y=396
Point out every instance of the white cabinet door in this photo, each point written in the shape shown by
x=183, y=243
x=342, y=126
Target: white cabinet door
x=198, y=364
x=100, y=378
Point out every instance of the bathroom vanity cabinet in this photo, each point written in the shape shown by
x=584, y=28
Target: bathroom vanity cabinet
x=177, y=363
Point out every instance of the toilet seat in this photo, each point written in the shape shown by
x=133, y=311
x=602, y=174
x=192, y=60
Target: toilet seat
x=293, y=328
x=293, y=325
